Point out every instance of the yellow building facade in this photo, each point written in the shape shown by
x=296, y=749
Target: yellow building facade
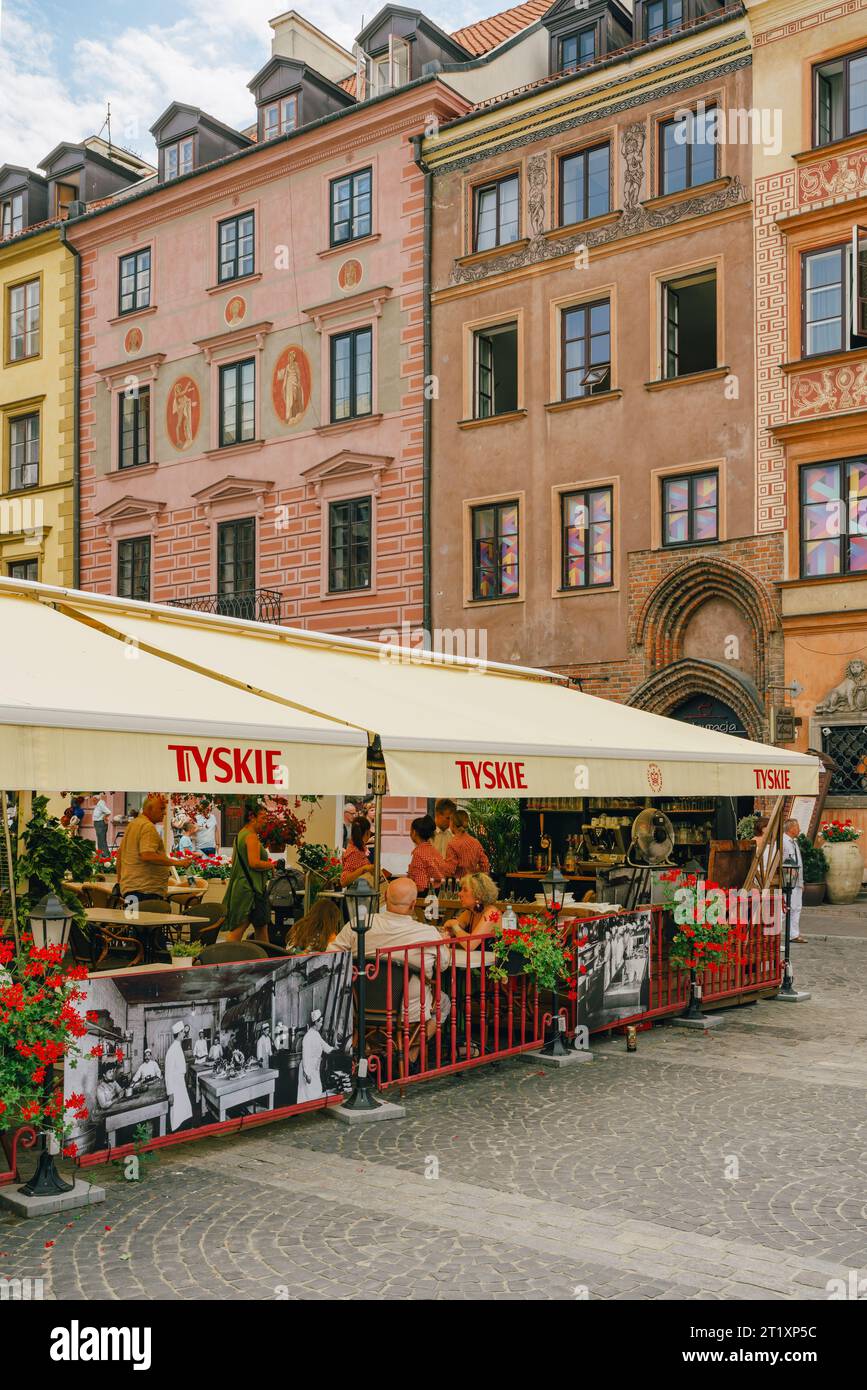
x=37, y=407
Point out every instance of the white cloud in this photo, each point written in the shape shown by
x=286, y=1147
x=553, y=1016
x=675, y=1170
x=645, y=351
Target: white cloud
x=206, y=57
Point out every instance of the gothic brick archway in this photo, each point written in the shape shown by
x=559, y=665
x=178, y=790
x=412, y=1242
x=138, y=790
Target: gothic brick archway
x=665, y=614
x=666, y=689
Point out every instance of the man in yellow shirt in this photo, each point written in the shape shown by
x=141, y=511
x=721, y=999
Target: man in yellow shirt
x=142, y=863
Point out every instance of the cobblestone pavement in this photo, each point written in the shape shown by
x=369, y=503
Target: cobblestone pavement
x=725, y=1165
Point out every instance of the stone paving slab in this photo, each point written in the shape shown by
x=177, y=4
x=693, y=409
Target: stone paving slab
x=727, y=1166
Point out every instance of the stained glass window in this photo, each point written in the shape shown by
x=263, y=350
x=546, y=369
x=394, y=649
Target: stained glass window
x=690, y=509
x=834, y=518
x=495, y=550
x=587, y=545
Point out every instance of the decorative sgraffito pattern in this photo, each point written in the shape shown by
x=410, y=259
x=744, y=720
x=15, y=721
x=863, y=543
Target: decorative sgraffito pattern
x=773, y=197
x=841, y=176
x=828, y=390
x=811, y=21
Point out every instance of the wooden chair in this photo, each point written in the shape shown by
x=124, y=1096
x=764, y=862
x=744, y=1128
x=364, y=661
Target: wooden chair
x=199, y=931
x=116, y=950
x=376, y=1014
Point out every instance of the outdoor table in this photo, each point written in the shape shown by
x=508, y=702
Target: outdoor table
x=150, y=1104
x=148, y=922
x=221, y=1093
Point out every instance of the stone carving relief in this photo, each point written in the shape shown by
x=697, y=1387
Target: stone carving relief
x=537, y=176
x=850, y=695
x=632, y=149
x=829, y=390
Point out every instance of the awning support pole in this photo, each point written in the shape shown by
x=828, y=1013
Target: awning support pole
x=10, y=869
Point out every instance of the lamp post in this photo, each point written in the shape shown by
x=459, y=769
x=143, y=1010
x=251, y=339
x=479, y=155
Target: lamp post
x=554, y=888
x=50, y=923
x=789, y=875
x=361, y=899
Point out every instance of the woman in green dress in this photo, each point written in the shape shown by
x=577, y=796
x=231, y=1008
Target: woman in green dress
x=248, y=855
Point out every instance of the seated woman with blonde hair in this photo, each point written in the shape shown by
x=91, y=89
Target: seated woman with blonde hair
x=316, y=929
x=477, y=896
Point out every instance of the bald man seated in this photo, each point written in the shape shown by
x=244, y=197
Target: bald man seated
x=396, y=926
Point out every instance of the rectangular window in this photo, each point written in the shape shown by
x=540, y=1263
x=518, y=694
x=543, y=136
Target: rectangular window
x=386, y=71
x=587, y=538
x=584, y=185
x=237, y=403
x=847, y=745
x=280, y=117
x=134, y=568
x=834, y=297
x=134, y=412
x=236, y=249
x=585, y=350
x=349, y=540
x=352, y=207
x=236, y=567
x=689, y=325
x=495, y=214
x=840, y=98
x=351, y=374
x=661, y=15
x=495, y=550
x=496, y=371
x=135, y=281
x=178, y=158
x=24, y=452
x=12, y=216
x=687, y=151
x=690, y=508
x=23, y=569
x=834, y=518
x=24, y=321
x=578, y=48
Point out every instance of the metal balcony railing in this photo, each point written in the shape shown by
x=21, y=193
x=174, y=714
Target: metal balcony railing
x=257, y=605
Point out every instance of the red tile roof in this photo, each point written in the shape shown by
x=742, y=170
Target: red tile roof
x=486, y=34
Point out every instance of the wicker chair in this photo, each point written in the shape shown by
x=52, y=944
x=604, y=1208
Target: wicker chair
x=227, y=952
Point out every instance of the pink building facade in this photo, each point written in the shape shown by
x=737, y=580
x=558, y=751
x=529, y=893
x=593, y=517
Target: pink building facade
x=251, y=392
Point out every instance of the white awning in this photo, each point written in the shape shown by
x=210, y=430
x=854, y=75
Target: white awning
x=78, y=707
x=454, y=726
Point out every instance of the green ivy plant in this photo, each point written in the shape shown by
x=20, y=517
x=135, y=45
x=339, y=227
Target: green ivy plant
x=815, y=860
x=49, y=854
x=496, y=823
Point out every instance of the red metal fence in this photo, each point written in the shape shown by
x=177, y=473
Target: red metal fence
x=460, y=1017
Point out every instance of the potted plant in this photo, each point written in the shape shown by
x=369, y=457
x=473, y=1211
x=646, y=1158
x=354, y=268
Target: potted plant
x=703, y=938
x=537, y=946
x=39, y=1027
x=496, y=824
x=50, y=855
x=845, y=864
x=183, y=953
x=746, y=831
x=815, y=871
x=322, y=868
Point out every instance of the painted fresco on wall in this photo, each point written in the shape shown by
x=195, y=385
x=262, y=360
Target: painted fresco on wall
x=616, y=956
x=236, y=310
x=291, y=384
x=349, y=275
x=183, y=412
x=133, y=341
x=179, y=1050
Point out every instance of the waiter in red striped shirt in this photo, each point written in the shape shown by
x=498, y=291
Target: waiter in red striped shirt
x=427, y=868
x=465, y=854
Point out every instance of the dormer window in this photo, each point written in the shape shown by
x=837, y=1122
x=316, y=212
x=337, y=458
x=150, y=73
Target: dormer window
x=280, y=117
x=578, y=48
x=660, y=15
x=390, y=69
x=12, y=215
x=178, y=158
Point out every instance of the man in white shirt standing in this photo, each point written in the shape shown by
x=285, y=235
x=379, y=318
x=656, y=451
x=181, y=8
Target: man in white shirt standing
x=206, y=833
x=443, y=811
x=101, y=818
x=264, y=1047
x=792, y=855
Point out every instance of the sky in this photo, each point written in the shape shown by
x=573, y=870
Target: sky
x=63, y=61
